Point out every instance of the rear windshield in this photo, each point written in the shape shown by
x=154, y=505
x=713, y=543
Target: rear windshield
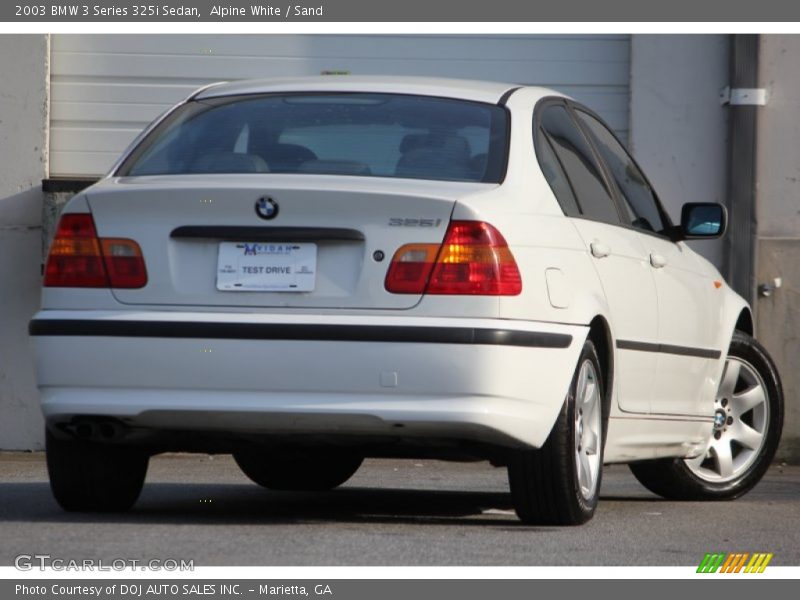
x=371, y=135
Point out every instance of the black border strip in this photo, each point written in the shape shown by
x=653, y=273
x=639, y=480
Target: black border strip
x=668, y=349
x=306, y=332
x=267, y=234
x=53, y=185
x=507, y=94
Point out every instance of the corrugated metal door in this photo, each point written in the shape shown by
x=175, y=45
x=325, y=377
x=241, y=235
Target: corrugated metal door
x=106, y=88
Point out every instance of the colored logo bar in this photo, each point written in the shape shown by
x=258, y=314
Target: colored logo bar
x=735, y=562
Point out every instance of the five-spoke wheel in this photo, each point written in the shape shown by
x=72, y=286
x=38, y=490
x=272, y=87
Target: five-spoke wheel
x=741, y=420
x=748, y=418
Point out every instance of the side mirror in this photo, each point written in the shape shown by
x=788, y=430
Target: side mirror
x=702, y=220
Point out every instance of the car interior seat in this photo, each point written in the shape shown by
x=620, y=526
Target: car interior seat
x=228, y=162
x=437, y=155
x=283, y=158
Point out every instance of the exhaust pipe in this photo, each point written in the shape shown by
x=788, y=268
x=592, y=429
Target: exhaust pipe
x=84, y=430
x=107, y=430
x=96, y=429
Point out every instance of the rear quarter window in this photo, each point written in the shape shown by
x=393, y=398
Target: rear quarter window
x=579, y=164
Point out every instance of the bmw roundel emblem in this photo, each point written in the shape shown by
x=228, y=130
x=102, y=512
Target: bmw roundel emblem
x=266, y=208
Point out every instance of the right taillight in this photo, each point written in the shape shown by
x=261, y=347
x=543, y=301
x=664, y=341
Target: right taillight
x=78, y=258
x=473, y=259
x=124, y=263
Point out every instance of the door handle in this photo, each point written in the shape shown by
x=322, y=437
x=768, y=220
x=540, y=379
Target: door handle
x=657, y=261
x=599, y=250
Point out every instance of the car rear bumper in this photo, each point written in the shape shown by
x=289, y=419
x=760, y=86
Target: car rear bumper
x=495, y=381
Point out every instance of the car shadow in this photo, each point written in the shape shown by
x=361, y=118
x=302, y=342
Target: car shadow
x=189, y=503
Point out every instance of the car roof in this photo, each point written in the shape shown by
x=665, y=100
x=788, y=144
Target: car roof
x=479, y=91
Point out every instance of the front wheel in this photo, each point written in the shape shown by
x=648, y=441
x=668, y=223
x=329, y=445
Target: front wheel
x=559, y=484
x=748, y=420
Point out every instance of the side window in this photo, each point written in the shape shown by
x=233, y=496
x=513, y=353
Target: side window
x=638, y=198
x=580, y=166
x=554, y=173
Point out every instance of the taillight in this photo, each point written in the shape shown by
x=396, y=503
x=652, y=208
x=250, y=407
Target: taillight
x=410, y=269
x=474, y=259
x=124, y=263
x=78, y=258
x=75, y=259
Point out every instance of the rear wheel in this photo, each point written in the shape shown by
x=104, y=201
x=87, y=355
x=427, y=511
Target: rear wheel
x=90, y=477
x=747, y=427
x=298, y=469
x=559, y=484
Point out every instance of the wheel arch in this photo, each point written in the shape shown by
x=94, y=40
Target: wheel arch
x=735, y=315
x=745, y=322
x=600, y=334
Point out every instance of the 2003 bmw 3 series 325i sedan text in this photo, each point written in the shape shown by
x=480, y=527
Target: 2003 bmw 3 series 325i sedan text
x=309, y=272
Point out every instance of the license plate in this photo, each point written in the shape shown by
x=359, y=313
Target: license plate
x=266, y=267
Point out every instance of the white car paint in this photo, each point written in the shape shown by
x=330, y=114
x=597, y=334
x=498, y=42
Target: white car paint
x=633, y=304
x=662, y=403
x=467, y=392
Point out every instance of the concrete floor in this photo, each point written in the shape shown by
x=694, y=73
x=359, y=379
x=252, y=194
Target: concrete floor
x=391, y=512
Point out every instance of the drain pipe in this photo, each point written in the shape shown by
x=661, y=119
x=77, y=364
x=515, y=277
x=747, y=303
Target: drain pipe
x=743, y=98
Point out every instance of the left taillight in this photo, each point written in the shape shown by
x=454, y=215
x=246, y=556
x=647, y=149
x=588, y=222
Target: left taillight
x=79, y=258
x=473, y=260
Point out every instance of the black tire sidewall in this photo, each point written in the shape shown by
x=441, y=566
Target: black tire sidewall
x=92, y=477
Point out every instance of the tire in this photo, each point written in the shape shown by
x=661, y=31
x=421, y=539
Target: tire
x=708, y=477
x=546, y=484
x=298, y=470
x=87, y=477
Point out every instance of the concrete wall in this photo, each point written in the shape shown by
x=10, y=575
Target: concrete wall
x=679, y=134
x=24, y=81
x=678, y=128
x=778, y=215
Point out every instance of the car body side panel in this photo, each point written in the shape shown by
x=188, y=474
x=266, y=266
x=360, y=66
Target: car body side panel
x=633, y=437
x=659, y=435
x=684, y=382
x=633, y=305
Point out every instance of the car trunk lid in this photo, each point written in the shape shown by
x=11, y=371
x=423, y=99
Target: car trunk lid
x=337, y=227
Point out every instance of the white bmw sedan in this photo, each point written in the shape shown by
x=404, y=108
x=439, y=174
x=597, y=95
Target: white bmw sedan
x=308, y=272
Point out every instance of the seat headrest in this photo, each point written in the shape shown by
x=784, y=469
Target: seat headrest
x=228, y=162
x=283, y=157
x=334, y=167
x=455, y=146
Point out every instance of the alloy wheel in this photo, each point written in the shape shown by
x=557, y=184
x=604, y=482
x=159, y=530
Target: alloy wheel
x=741, y=418
x=588, y=429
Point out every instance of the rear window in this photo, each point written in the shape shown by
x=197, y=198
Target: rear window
x=370, y=135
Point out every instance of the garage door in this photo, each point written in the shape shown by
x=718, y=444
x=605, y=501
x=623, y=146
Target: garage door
x=105, y=89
